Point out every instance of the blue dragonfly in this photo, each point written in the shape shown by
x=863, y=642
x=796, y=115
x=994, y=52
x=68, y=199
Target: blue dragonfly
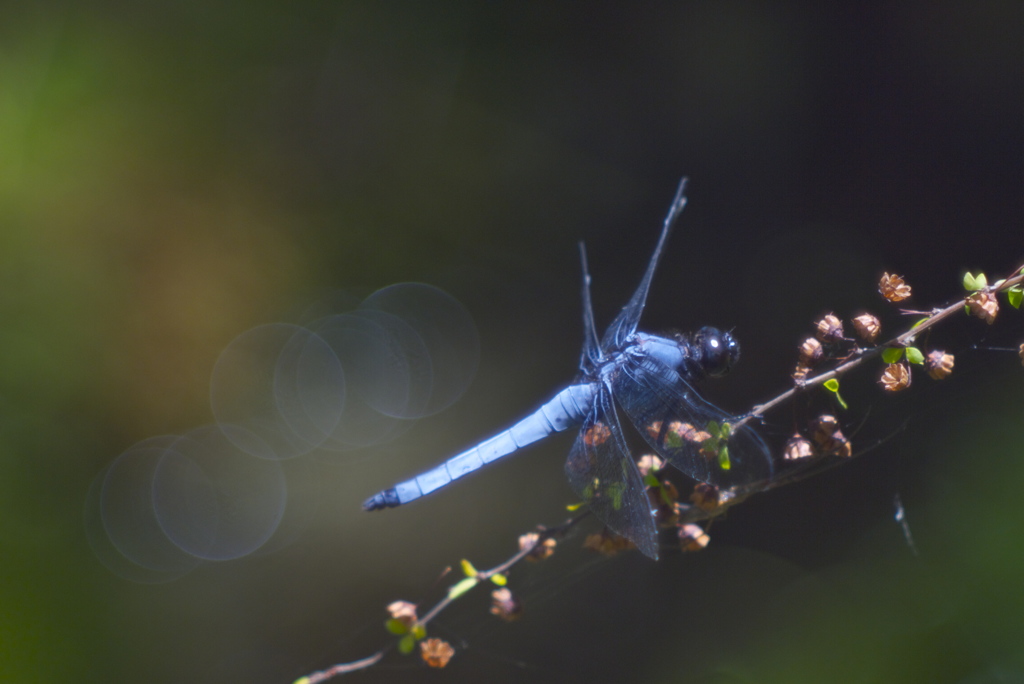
x=651, y=379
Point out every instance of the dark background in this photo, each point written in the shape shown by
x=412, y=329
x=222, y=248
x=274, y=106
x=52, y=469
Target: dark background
x=173, y=175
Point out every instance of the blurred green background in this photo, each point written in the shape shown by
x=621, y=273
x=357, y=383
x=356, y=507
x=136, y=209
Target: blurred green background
x=173, y=174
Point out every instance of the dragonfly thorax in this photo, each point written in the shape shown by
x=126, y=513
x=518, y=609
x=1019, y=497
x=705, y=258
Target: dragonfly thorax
x=708, y=351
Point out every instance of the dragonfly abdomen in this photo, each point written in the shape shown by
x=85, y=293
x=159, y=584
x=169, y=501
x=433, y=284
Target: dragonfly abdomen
x=566, y=409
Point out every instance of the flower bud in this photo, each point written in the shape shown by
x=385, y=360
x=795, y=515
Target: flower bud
x=538, y=551
x=939, y=364
x=810, y=352
x=800, y=373
x=798, y=448
x=895, y=378
x=984, y=306
x=436, y=653
x=505, y=605
x=867, y=327
x=693, y=537
x=404, y=612
x=893, y=288
x=829, y=329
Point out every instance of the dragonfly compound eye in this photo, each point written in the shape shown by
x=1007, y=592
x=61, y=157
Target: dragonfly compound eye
x=719, y=350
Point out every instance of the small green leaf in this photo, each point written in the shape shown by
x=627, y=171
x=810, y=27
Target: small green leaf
x=833, y=386
x=574, y=507
x=920, y=322
x=723, y=457
x=396, y=627
x=725, y=432
x=651, y=480
x=615, y=492
x=467, y=568
x=588, y=493
x=1014, y=295
x=499, y=579
x=461, y=587
x=673, y=440
x=974, y=282
x=892, y=354
x=713, y=428
x=664, y=495
x=406, y=644
x=914, y=355
x=419, y=632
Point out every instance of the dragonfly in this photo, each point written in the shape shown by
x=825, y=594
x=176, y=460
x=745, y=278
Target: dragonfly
x=651, y=379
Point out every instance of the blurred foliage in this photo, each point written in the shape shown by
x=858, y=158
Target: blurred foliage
x=172, y=174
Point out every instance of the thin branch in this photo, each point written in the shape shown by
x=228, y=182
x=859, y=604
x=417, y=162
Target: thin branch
x=343, y=668
x=902, y=340
x=543, y=534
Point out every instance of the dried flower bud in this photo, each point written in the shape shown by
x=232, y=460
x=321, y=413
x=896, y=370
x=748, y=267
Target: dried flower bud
x=705, y=496
x=828, y=438
x=895, y=378
x=597, y=434
x=649, y=463
x=712, y=499
x=693, y=537
x=528, y=540
x=538, y=551
x=823, y=427
x=681, y=430
x=893, y=288
x=665, y=515
x=800, y=374
x=662, y=499
x=867, y=327
x=607, y=542
x=798, y=448
x=505, y=606
x=436, y=653
x=404, y=612
x=810, y=352
x=544, y=550
x=984, y=306
x=829, y=329
x=939, y=364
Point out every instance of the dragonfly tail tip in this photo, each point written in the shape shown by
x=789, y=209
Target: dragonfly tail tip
x=385, y=499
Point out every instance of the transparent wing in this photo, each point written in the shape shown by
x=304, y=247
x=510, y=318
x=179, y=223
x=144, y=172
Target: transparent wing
x=603, y=474
x=674, y=419
x=591, y=351
x=625, y=323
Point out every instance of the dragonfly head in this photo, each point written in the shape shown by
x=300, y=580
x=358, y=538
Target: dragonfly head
x=718, y=351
